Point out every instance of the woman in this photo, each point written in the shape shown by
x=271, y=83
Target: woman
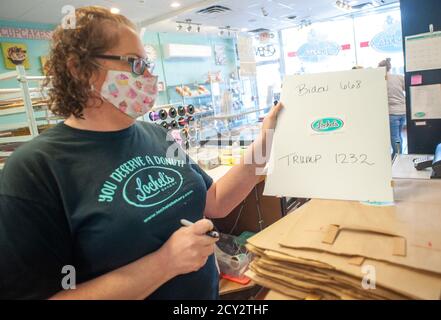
x=100, y=192
x=397, y=106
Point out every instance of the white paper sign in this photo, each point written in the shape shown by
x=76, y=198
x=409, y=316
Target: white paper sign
x=332, y=140
x=426, y=102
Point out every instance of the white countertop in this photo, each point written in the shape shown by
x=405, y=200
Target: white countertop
x=403, y=168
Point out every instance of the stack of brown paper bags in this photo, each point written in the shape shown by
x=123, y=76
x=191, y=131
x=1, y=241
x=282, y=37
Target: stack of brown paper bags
x=325, y=249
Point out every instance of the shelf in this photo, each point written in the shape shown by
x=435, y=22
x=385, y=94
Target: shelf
x=202, y=113
x=196, y=97
x=9, y=111
x=5, y=153
x=49, y=118
x=16, y=139
x=8, y=75
x=190, y=85
x=32, y=78
x=11, y=126
x=235, y=115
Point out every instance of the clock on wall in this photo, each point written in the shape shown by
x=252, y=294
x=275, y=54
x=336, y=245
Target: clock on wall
x=151, y=52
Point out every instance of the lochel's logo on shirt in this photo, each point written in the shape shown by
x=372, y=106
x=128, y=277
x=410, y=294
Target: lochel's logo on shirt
x=146, y=188
x=147, y=182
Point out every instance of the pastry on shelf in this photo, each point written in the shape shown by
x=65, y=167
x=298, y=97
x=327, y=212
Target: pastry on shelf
x=187, y=91
x=202, y=90
x=180, y=91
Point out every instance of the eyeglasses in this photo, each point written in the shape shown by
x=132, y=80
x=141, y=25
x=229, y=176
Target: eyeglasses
x=139, y=65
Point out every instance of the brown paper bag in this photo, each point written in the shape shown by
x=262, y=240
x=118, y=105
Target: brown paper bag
x=405, y=281
x=396, y=234
x=327, y=278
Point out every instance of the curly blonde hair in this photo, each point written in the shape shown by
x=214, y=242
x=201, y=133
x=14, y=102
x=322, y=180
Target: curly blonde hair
x=95, y=33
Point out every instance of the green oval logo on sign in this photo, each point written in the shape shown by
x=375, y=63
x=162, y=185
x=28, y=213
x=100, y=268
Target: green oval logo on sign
x=420, y=114
x=327, y=125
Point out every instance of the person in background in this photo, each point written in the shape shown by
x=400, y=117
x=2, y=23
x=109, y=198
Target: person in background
x=397, y=106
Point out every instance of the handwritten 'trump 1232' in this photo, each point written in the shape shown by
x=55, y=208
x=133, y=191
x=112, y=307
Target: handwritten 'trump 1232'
x=295, y=159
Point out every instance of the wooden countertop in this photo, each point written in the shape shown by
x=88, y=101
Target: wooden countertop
x=227, y=286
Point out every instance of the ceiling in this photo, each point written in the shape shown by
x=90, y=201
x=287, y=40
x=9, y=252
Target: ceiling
x=158, y=15
x=49, y=11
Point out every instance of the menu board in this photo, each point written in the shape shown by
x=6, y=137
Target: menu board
x=423, y=52
x=426, y=102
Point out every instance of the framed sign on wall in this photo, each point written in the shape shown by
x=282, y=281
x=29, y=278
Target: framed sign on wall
x=15, y=54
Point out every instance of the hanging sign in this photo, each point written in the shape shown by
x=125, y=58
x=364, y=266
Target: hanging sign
x=318, y=48
x=390, y=40
x=25, y=33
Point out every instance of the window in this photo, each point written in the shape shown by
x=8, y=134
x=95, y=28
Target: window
x=321, y=47
x=378, y=37
x=346, y=42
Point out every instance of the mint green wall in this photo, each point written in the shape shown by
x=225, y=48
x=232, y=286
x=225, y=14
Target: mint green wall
x=180, y=71
x=183, y=71
x=173, y=72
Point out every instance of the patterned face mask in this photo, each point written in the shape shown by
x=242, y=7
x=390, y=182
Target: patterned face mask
x=131, y=94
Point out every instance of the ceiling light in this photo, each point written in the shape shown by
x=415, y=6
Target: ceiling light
x=175, y=5
x=304, y=23
x=343, y=5
x=244, y=29
x=114, y=10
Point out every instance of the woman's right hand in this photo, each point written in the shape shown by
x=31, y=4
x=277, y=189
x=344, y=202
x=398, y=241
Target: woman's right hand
x=188, y=249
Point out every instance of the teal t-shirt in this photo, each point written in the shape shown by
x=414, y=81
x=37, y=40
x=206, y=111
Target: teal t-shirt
x=96, y=201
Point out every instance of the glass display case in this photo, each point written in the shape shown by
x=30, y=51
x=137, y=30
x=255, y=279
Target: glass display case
x=219, y=110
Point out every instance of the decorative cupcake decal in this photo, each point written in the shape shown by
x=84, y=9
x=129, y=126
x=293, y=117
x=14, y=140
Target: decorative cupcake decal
x=137, y=107
x=17, y=55
x=148, y=101
x=138, y=84
x=132, y=94
x=123, y=106
x=151, y=89
x=122, y=79
x=113, y=90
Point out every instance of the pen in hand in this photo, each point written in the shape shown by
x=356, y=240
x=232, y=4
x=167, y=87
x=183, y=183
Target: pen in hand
x=213, y=234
